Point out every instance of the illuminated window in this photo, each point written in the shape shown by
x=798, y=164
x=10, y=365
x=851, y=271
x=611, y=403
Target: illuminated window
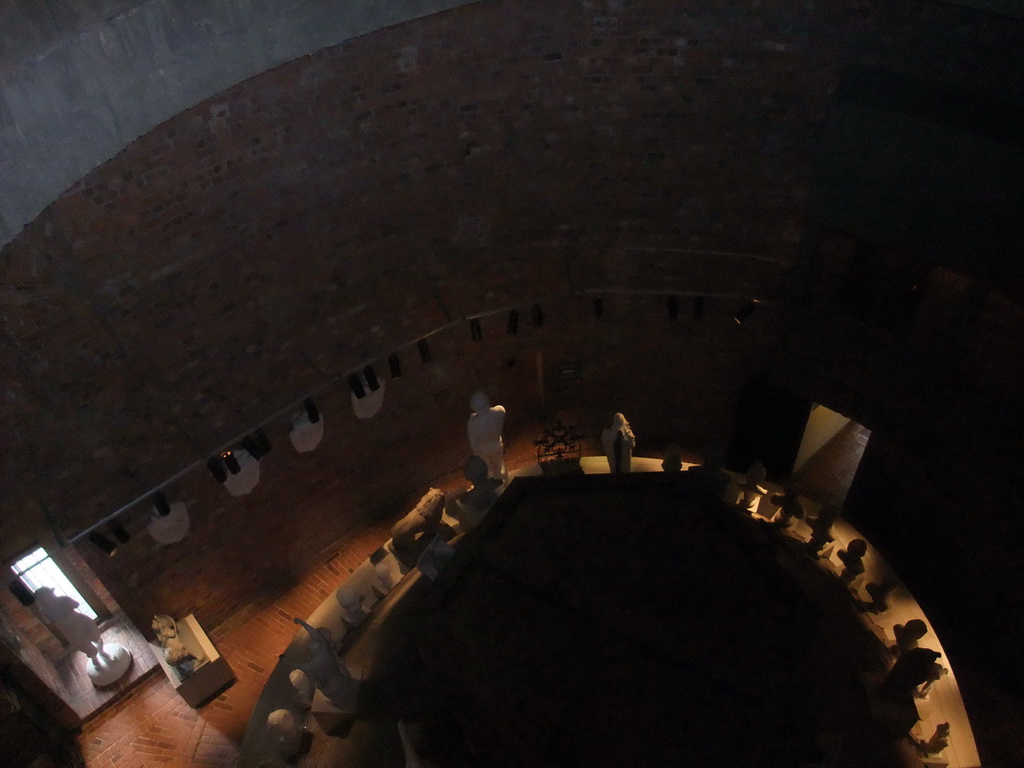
x=37, y=570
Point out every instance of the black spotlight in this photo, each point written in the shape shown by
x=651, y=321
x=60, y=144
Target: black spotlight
x=598, y=306
x=103, y=543
x=537, y=315
x=231, y=462
x=356, y=385
x=673, y=307
x=119, y=531
x=513, y=323
x=160, y=504
x=395, y=366
x=216, y=467
x=424, y=349
x=252, y=447
x=311, y=412
x=262, y=440
x=371, y=378
x=698, y=307
x=475, y=331
x=746, y=310
x=21, y=591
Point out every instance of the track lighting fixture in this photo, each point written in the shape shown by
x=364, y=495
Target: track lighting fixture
x=356, y=385
x=103, y=543
x=394, y=366
x=371, y=378
x=262, y=440
x=216, y=467
x=21, y=591
x=698, y=307
x=311, y=410
x=672, y=304
x=475, y=332
x=119, y=532
x=746, y=311
x=537, y=315
x=513, y=323
x=424, y=349
x=251, y=446
x=598, y=306
x=231, y=462
x=160, y=504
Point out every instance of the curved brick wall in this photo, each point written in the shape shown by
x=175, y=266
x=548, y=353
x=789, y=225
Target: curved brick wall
x=336, y=208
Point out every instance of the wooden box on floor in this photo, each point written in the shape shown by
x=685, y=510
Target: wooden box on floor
x=209, y=678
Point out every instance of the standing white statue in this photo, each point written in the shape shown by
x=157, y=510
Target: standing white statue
x=107, y=662
x=484, y=428
x=618, y=443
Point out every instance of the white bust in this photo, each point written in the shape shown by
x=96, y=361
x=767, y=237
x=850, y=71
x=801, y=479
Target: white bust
x=352, y=609
x=484, y=429
x=286, y=732
x=618, y=443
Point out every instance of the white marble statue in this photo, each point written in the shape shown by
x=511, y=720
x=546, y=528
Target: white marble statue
x=304, y=688
x=618, y=442
x=423, y=520
x=475, y=503
x=285, y=732
x=353, y=612
x=938, y=742
x=166, y=630
x=325, y=670
x=753, y=487
x=484, y=428
x=107, y=662
x=385, y=576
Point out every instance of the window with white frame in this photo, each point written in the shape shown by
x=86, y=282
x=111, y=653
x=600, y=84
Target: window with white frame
x=37, y=569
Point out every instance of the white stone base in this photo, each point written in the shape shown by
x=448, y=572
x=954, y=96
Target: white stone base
x=109, y=665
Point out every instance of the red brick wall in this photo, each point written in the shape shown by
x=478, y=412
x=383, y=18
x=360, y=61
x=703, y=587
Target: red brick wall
x=334, y=209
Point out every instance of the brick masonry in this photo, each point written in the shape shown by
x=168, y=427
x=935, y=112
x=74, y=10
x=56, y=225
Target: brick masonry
x=337, y=208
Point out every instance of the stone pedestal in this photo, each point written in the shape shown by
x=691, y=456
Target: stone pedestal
x=335, y=716
x=109, y=665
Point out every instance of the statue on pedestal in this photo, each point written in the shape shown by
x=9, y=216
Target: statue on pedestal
x=879, y=592
x=286, y=732
x=304, y=688
x=790, y=507
x=753, y=486
x=853, y=559
x=325, y=670
x=938, y=742
x=673, y=461
x=907, y=635
x=353, y=612
x=618, y=442
x=484, y=429
x=821, y=527
x=107, y=662
x=474, y=503
x=419, y=525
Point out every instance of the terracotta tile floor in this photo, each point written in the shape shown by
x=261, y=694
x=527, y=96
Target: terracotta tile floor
x=79, y=691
